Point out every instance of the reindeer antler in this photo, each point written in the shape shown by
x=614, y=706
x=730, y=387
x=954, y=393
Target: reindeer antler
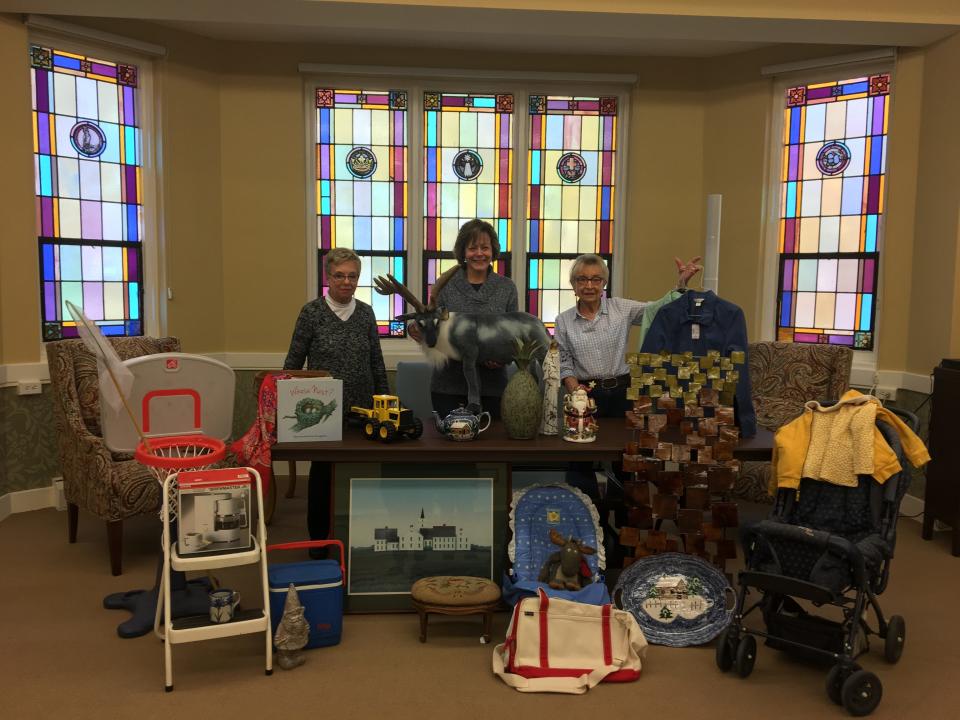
x=389, y=285
x=438, y=285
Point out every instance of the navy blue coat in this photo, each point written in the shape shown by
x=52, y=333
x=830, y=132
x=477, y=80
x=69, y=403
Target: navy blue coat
x=722, y=327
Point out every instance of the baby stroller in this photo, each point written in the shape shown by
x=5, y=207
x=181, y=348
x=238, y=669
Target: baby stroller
x=828, y=545
x=535, y=512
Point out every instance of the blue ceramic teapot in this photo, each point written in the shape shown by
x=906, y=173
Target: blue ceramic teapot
x=461, y=424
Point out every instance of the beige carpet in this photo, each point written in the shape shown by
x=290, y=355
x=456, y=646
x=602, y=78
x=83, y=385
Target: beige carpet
x=61, y=657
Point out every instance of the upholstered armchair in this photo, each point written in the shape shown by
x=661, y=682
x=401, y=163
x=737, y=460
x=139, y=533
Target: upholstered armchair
x=111, y=486
x=784, y=376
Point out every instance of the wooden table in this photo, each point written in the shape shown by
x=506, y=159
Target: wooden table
x=492, y=445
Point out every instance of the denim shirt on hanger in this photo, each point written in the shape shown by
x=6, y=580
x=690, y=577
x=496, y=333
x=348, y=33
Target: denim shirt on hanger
x=713, y=324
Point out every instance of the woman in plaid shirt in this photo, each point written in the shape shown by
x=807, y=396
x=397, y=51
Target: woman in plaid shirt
x=592, y=335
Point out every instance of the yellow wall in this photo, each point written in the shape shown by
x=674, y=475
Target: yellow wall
x=19, y=286
x=234, y=185
x=934, y=299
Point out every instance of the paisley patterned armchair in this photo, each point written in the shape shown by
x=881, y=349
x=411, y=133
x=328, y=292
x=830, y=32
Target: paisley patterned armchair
x=111, y=486
x=784, y=376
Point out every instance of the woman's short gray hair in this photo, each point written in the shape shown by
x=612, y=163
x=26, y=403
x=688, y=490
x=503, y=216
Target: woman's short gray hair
x=589, y=259
x=338, y=256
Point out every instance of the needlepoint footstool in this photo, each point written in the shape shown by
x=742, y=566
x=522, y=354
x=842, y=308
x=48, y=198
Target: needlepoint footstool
x=455, y=595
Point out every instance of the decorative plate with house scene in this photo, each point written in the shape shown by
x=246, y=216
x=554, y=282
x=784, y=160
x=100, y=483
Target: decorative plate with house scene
x=677, y=599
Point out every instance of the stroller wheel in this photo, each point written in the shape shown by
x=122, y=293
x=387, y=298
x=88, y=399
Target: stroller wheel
x=896, y=636
x=725, y=648
x=746, y=655
x=861, y=693
x=835, y=679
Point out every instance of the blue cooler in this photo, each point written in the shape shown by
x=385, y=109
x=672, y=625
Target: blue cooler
x=319, y=584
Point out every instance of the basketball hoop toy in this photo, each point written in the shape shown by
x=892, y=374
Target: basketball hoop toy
x=166, y=456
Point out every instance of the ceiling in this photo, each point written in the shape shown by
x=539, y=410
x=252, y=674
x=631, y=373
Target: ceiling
x=436, y=23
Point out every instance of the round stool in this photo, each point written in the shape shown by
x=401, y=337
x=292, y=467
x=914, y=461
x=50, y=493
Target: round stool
x=455, y=595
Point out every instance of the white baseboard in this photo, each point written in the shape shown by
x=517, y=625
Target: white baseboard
x=28, y=500
x=911, y=506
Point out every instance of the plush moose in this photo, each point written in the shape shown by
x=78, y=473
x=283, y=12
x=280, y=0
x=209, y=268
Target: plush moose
x=567, y=569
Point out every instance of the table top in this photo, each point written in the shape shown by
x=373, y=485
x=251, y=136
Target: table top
x=493, y=446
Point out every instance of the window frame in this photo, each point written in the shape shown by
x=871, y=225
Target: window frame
x=415, y=81
x=864, y=361
x=151, y=243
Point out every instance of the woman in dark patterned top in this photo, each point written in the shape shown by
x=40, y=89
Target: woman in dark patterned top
x=337, y=333
x=475, y=289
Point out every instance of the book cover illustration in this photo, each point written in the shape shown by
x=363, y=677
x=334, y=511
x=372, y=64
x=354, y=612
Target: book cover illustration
x=309, y=410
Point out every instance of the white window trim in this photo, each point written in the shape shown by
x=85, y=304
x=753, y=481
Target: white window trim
x=417, y=80
x=864, y=372
x=118, y=49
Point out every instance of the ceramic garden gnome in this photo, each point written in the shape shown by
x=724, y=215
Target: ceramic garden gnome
x=291, y=633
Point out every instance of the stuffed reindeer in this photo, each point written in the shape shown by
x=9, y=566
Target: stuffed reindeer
x=567, y=569
x=472, y=338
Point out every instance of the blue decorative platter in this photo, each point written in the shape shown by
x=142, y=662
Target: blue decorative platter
x=677, y=599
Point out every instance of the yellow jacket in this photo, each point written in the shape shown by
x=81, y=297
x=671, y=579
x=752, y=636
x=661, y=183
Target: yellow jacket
x=833, y=444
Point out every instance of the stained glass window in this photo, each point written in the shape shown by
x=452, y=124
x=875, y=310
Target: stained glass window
x=468, y=162
x=89, y=191
x=362, y=189
x=570, y=194
x=831, y=210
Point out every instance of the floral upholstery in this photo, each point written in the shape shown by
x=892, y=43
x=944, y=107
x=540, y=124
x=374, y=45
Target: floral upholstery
x=784, y=376
x=111, y=486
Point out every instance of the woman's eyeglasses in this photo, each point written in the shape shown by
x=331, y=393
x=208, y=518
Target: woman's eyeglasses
x=344, y=277
x=584, y=280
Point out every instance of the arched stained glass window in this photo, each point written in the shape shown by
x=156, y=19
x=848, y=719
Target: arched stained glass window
x=570, y=194
x=831, y=210
x=362, y=189
x=89, y=190
x=468, y=162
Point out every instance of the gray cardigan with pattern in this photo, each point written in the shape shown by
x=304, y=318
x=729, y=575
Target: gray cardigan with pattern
x=348, y=349
x=498, y=294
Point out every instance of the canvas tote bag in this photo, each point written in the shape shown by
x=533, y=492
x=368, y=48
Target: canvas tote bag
x=560, y=646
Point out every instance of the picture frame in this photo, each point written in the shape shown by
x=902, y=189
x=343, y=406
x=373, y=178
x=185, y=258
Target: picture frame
x=377, y=516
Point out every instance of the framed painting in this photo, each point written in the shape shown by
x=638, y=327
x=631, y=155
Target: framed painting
x=402, y=522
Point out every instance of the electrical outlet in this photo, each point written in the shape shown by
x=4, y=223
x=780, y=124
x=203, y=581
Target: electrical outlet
x=29, y=387
x=886, y=394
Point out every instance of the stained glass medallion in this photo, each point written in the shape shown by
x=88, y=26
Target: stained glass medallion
x=831, y=210
x=88, y=190
x=570, y=193
x=468, y=161
x=362, y=189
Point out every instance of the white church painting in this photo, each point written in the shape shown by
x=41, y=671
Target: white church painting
x=402, y=529
x=420, y=536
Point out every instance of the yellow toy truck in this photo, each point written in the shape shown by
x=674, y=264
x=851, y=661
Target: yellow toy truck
x=387, y=420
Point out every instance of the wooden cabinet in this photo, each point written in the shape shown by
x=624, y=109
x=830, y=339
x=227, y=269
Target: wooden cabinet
x=942, y=501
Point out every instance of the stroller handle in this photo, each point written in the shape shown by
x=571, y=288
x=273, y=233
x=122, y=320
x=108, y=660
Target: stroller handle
x=820, y=539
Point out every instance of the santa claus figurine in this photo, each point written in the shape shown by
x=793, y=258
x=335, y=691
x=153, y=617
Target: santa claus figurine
x=579, y=412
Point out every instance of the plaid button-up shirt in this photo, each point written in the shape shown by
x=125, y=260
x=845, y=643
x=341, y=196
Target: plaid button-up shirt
x=595, y=349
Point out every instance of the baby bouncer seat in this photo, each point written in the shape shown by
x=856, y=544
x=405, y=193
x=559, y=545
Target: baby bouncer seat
x=534, y=512
x=827, y=545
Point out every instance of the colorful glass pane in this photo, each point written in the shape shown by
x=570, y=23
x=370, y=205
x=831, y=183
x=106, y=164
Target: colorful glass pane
x=468, y=160
x=570, y=193
x=88, y=191
x=831, y=205
x=362, y=189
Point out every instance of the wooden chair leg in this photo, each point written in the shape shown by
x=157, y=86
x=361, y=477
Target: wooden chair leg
x=73, y=517
x=115, y=544
x=292, y=478
x=423, y=625
x=487, y=624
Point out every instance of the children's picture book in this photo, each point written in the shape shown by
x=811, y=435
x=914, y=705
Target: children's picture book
x=309, y=410
x=215, y=511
